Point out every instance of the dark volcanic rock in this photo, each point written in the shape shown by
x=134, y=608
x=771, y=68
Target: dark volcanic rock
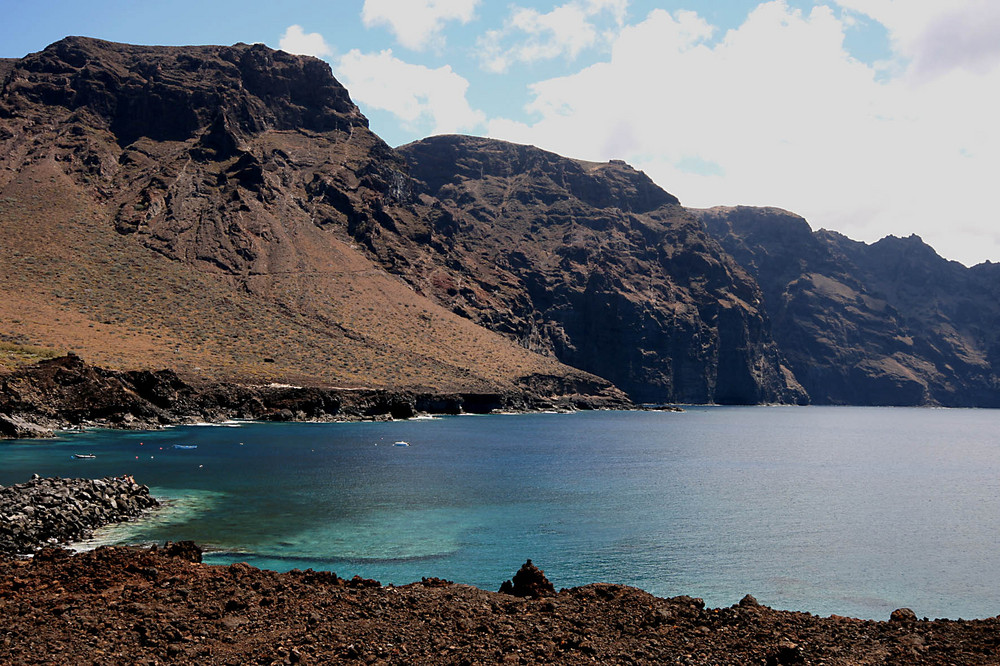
x=245, y=181
x=54, y=510
x=185, y=550
x=891, y=323
x=239, y=217
x=529, y=581
x=172, y=93
x=595, y=264
x=15, y=427
x=66, y=391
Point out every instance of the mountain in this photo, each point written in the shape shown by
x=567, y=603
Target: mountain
x=210, y=209
x=890, y=323
x=596, y=265
x=226, y=212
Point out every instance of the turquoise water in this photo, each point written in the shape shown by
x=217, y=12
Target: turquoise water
x=854, y=511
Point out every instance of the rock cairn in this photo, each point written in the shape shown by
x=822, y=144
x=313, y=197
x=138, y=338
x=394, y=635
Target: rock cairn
x=46, y=511
x=529, y=581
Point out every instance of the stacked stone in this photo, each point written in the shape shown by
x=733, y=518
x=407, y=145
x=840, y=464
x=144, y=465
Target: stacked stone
x=46, y=511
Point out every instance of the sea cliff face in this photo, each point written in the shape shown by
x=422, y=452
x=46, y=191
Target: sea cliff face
x=217, y=210
x=596, y=265
x=890, y=323
x=242, y=222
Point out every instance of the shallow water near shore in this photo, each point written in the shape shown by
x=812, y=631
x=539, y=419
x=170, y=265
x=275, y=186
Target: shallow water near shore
x=854, y=511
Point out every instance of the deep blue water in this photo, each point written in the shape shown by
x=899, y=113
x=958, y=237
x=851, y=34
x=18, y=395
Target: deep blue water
x=854, y=511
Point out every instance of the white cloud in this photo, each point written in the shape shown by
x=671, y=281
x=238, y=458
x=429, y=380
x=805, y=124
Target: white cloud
x=530, y=36
x=296, y=40
x=417, y=23
x=933, y=37
x=777, y=112
x=419, y=96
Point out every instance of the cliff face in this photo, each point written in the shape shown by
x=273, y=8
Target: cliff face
x=216, y=210
x=891, y=323
x=226, y=211
x=594, y=264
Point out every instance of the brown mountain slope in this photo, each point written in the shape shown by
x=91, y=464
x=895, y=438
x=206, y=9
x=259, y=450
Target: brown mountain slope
x=200, y=208
x=595, y=264
x=890, y=323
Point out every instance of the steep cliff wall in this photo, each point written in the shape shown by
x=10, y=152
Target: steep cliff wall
x=595, y=264
x=216, y=210
x=891, y=323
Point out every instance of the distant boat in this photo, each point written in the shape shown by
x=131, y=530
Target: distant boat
x=185, y=446
x=84, y=456
x=401, y=443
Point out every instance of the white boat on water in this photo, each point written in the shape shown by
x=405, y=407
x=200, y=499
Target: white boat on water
x=84, y=456
x=401, y=443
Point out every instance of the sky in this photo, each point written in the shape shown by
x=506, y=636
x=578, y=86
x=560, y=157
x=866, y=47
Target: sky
x=868, y=117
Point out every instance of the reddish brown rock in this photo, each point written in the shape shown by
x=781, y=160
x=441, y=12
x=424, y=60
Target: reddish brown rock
x=120, y=605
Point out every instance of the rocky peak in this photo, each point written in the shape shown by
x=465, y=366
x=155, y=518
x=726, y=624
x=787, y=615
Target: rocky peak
x=449, y=160
x=173, y=93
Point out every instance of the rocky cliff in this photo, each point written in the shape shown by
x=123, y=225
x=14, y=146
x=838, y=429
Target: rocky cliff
x=225, y=211
x=67, y=392
x=890, y=323
x=594, y=264
x=216, y=210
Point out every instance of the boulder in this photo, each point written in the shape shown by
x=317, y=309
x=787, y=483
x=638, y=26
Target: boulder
x=15, y=427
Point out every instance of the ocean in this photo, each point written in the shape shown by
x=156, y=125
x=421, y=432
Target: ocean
x=853, y=511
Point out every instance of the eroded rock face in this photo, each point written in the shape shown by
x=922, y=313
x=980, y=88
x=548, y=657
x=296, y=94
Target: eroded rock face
x=594, y=264
x=66, y=391
x=240, y=221
x=891, y=323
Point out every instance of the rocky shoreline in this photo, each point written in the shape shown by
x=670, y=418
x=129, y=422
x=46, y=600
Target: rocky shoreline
x=117, y=605
x=66, y=392
x=45, y=511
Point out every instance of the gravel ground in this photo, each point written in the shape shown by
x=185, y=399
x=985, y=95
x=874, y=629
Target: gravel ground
x=160, y=605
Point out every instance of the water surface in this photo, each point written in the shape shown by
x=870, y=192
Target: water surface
x=854, y=511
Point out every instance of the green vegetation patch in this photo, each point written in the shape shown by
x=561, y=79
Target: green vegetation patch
x=13, y=354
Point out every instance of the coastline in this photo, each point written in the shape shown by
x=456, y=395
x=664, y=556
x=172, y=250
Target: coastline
x=65, y=393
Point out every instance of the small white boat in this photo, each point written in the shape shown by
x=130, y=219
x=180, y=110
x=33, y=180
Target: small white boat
x=401, y=443
x=185, y=446
x=84, y=456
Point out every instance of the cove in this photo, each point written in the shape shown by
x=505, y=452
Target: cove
x=854, y=511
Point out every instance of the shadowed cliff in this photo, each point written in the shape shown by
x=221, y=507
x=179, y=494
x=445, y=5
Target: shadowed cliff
x=890, y=323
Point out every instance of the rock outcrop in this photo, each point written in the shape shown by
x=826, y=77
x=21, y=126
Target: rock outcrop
x=67, y=392
x=529, y=581
x=45, y=511
x=594, y=264
x=890, y=323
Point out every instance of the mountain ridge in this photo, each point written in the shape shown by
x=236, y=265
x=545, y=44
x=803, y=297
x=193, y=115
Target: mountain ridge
x=888, y=323
x=224, y=246
x=261, y=232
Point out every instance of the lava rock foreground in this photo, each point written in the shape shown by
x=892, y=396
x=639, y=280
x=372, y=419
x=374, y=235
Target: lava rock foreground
x=118, y=605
